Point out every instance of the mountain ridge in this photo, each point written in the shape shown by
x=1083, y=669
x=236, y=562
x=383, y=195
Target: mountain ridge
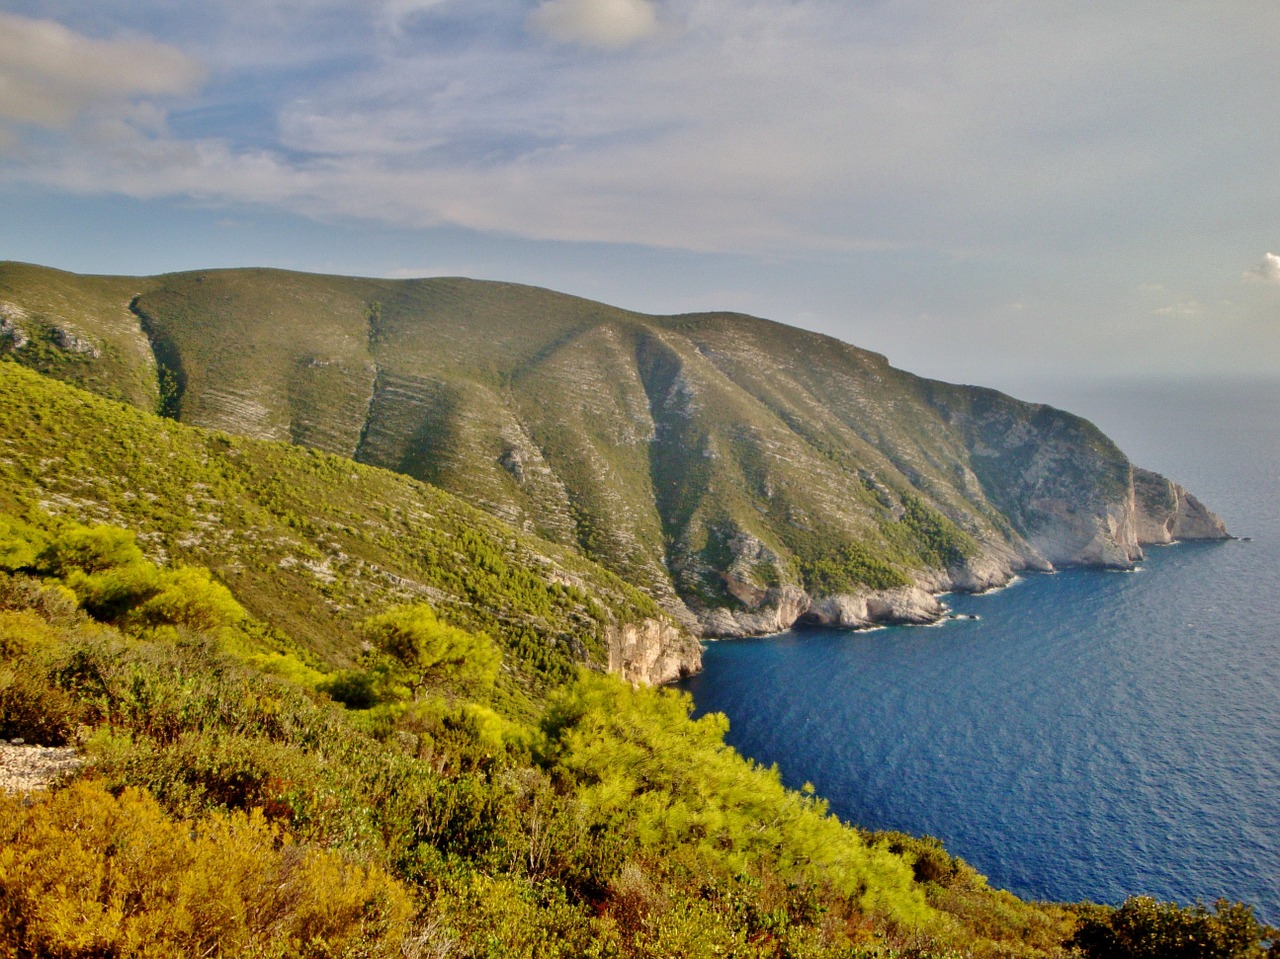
x=746, y=474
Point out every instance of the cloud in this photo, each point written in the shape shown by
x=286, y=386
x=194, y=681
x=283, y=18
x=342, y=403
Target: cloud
x=757, y=127
x=1185, y=308
x=51, y=76
x=596, y=23
x=1266, y=270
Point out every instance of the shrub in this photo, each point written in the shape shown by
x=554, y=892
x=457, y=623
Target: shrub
x=20, y=544
x=1144, y=928
x=33, y=710
x=430, y=653
x=85, y=873
x=90, y=549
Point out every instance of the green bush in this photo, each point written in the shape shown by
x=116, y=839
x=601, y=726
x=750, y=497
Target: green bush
x=90, y=549
x=1144, y=928
x=430, y=654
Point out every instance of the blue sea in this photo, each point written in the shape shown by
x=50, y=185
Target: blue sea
x=1093, y=734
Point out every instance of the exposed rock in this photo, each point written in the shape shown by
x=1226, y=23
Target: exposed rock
x=10, y=327
x=775, y=610
x=861, y=609
x=25, y=768
x=513, y=462
x=1165, y=512
x=652, y=652
x=904, y=605
x=74, y=343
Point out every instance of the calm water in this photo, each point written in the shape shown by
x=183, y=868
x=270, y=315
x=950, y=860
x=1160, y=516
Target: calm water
x=1094, y=734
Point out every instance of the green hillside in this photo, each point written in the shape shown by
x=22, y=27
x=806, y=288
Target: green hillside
x=309, y=542
x=740, y=471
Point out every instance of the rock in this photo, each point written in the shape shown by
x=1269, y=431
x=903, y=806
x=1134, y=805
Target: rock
x=10, y=330
x=773, y=611
x=904, y=605
x=26, y=768
x=74, y=343
x=1165, y=512
x=652, y=652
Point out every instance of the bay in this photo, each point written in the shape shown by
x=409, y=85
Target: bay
x=1092, y=734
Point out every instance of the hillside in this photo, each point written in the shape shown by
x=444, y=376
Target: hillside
x=483, y=797
x=743, y=473
x=215, y=799
x=221, y=802
x=313, y=543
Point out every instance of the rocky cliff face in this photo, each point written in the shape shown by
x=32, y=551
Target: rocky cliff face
x=1064, y=526
x=1165, y=512
x=652, y=652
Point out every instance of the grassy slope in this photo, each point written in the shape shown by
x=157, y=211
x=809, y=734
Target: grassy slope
x=672, y=450
x=310, y=542
x=43, y=302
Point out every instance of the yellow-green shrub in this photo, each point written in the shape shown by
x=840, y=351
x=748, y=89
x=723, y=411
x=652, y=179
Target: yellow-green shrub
x=84, y=873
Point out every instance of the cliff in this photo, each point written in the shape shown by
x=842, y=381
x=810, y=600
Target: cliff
x=743, y=473
x=1166, y=513
x=652, y=652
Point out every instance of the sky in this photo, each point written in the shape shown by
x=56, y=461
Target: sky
x=987, y=192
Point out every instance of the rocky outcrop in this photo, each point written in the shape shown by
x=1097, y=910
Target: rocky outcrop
x=902, y=606
x=772, y=611
x=652, y=652
x=74, y=343
x=1165, y=512
x=12, y=333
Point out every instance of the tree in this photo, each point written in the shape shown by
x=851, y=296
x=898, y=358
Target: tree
x=1144, y=928
x=429, y=653
x=90, y=549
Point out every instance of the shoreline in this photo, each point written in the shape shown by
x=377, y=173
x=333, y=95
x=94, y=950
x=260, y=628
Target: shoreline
x=942, y=614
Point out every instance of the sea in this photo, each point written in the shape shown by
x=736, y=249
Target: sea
x=1090, y=735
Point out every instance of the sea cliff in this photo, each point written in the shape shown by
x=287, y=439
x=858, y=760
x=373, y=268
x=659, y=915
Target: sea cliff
x=744, y=474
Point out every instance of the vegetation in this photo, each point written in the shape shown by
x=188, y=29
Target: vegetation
x=651, y=445
x=229, y=807
x=328, y=710
x=310, y=544
x=89, y=873
x=1146, y=929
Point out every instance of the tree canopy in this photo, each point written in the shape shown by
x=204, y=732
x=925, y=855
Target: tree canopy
x=430, y=654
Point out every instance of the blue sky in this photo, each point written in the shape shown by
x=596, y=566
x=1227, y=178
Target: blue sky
x=987, y=192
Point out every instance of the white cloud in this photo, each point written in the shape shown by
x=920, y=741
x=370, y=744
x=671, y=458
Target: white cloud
x=758, y=127
x=1185, y=308
x=51, y=76
x=1266, y=270
x=597, y=23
